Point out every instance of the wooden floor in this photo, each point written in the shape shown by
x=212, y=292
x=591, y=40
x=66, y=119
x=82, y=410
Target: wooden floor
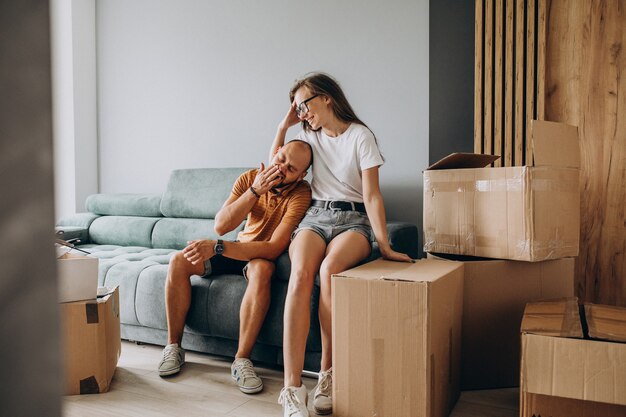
x=204, y=388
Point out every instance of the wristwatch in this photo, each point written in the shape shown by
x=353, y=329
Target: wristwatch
x=219, y=247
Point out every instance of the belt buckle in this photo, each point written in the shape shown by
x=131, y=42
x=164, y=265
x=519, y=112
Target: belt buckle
x=332, y=207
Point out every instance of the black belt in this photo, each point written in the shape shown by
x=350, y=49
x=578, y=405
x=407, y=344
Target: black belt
x=339, y=205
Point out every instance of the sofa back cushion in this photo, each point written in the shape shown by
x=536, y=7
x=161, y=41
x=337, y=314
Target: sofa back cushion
x=123, y=230
x=175, y=233
x=146, y=205
x=198, y=193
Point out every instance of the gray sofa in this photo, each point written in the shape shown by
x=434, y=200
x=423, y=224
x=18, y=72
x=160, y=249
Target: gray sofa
x=134, y=236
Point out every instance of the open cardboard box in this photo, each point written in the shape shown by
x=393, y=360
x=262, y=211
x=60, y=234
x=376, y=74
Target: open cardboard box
x=564, y=374
x=528, y=213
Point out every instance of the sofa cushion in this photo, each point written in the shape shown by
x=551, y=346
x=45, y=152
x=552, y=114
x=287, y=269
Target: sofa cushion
x=147, y=205
x=198, y=193
x=122, y=230
x=175, y=233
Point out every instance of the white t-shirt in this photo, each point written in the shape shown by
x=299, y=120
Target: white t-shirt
x=338, y=162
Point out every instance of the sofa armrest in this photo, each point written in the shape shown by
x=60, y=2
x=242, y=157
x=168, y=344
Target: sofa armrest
x=404, y=237
x=75, y=226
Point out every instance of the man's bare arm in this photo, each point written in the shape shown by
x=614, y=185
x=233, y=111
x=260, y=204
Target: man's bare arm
x=200, y=250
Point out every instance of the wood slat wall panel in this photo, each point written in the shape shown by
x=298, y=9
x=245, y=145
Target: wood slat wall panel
x=508, y=46
x=509, y=87
x=530, y=79
x=478, y=76
x=520, y=41
x=488, y=81
x=498, y=105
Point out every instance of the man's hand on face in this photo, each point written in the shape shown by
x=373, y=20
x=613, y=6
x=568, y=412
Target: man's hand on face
x=266, y=179
x=199, y=250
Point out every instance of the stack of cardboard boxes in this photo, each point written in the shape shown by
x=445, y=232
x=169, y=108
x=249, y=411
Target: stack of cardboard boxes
x=406, y=338
x=90, y=326
x=524, y=224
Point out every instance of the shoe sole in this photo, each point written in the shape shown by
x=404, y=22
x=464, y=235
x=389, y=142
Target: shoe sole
x=170, y=372
x=245, y=390
x=322, y=411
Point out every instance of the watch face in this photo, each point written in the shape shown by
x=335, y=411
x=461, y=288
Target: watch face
x=219, y=248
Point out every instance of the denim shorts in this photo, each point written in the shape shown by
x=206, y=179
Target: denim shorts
x=328, y=223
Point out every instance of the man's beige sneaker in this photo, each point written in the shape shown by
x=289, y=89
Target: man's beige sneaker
x=322, y=398
x=294, y=400
x=173, y=359
x=244, y=376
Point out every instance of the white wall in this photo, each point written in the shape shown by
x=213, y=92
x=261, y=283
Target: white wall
x=197, y=83
x=75, y=126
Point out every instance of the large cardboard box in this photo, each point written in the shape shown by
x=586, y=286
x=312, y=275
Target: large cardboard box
x=529, y=213
x=567, y=376
x=77, y=277
x=396, y=339
x=91, y=343
x=494, y=296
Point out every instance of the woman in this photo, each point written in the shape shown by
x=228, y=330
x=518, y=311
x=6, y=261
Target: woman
x=336, y=232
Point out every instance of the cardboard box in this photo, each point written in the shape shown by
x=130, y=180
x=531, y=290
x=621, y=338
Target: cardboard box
x=77, y=277
x=396, y=339
x=570, y=377
x=91, y=343
x=494, y=296
x=529, y=213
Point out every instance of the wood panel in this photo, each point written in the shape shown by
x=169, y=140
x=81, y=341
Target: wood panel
x=509, y=87
x=487, y=138
x=498, y=105
x=478, y=75
x=508, y=48
x=586, y=86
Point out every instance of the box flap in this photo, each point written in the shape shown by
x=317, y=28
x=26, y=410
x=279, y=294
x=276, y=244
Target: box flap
x=463, y=160
x=558, y=317
x=606, y=322
x=555, y=144
x=423, y=270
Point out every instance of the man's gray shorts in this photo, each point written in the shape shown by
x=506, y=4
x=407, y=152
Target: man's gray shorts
x=329, y=223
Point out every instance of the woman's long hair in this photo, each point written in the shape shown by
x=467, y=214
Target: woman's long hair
x=324, y=84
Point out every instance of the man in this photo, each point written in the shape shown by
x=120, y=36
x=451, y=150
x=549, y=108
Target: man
x=273, y=200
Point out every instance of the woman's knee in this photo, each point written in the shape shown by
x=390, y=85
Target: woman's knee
x=301, y=279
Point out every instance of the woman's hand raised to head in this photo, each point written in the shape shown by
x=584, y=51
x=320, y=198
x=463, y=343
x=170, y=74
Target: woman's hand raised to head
x=392, y=255
x=291, y=118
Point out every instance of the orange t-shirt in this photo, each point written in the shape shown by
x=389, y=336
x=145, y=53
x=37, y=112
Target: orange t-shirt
x=272, y=209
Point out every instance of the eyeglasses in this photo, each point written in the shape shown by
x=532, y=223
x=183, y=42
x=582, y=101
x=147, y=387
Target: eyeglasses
x=302, y=108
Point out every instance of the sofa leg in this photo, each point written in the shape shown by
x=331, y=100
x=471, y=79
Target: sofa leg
x=310, y=374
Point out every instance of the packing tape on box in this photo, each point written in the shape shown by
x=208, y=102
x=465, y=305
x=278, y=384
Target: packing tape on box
x=91, y=312
x=552, y=185
x=481, y=186
x=547, y=249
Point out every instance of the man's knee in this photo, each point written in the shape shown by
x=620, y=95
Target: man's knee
x=260, y=271
x=179, y=266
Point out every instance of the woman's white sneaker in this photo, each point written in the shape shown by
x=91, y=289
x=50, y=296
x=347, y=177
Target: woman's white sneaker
x=245, y=377
x=294, y=401
x=322, y=398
